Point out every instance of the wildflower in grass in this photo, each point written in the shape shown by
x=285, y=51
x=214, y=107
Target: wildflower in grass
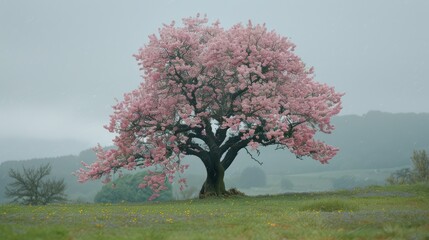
x=187, y=212
x=272, y=224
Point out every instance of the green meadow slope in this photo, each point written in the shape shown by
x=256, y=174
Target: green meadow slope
x=393, y=212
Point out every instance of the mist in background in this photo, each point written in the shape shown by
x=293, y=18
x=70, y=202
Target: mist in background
x=63, y=63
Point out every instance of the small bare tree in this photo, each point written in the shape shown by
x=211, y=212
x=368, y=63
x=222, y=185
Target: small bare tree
x=421, y=166
x=419, y=173
x=402, y=176
x=30, y=188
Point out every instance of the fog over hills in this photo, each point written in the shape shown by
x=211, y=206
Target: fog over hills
x=29, y=148
x=375, y=140
x=62, y=65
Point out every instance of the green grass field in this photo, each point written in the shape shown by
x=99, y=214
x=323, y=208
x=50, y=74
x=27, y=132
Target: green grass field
x=393, y=212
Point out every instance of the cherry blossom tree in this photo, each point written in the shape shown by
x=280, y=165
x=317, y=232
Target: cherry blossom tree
x=212, y=92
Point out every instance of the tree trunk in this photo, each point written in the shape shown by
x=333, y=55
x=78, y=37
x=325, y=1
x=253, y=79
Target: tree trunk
x=214, y=184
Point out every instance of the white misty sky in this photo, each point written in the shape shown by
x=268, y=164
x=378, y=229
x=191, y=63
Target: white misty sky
x=62, y=63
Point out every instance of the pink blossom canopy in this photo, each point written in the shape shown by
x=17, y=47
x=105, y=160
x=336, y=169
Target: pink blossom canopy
x=238, y=87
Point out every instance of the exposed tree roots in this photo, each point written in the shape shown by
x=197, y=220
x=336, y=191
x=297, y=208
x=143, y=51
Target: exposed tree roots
x=229, y=193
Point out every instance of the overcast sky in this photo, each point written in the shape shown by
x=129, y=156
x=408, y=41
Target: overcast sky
x=62, y=63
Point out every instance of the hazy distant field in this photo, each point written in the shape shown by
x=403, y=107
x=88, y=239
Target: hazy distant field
x=310, y=182
x=394, y=212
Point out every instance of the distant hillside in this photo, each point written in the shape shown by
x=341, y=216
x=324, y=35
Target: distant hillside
x=373, y=141
x=379, y=140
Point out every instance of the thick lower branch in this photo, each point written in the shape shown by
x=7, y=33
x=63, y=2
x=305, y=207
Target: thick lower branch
x=220, y=135
x=232, y=153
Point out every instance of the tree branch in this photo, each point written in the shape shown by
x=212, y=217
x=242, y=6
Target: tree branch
x=253, y=158
x=220, y=135
x=232, y=152
x=229, y=143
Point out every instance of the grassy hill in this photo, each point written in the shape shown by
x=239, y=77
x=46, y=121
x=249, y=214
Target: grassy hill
x=393, y=212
